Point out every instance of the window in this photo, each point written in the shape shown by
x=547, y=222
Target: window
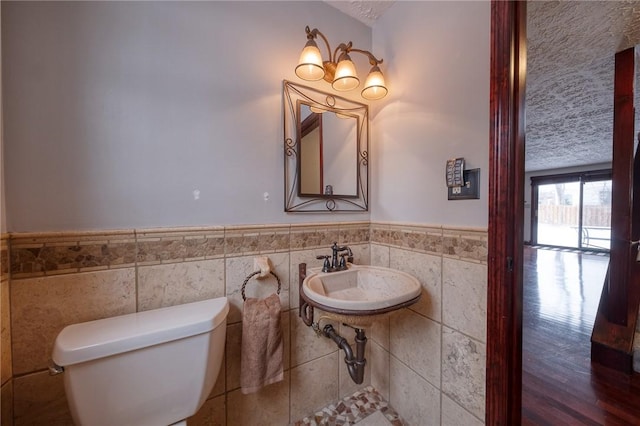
x=572, y=210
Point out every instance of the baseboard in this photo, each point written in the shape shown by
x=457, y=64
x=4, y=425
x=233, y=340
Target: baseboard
x=611, y=358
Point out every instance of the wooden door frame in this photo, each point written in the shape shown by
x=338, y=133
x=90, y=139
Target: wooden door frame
x=506, y=214
x=622, y=199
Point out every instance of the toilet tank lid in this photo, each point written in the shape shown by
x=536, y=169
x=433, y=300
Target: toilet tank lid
x=101, y=338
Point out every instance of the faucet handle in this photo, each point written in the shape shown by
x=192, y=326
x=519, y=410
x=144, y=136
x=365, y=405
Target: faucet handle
x=348, y=253
x=343, y=262
x=326, y=267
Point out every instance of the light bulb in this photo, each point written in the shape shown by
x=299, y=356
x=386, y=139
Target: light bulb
x=374, y=87
x=310, y=64
x=346, y=77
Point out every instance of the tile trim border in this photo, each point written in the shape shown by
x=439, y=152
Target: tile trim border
x=4, y=257
x=457, y=242
x=39, y=254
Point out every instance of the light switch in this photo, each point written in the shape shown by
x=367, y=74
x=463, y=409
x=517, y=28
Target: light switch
x=470, y=189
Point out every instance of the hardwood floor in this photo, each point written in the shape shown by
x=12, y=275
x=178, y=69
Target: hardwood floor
x=559, y=384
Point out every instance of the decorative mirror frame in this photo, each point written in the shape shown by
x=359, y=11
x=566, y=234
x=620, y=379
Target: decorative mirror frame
x=293, y=202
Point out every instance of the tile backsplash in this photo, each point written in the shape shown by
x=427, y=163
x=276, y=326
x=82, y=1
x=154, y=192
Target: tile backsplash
x=430, y=358
x=6, y=372
x=56, y=279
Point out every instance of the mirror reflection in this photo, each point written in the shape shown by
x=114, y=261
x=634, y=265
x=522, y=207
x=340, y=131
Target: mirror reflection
x=326, y=158
x=326, y=134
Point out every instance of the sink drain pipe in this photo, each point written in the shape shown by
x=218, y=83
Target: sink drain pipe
x=356, y=364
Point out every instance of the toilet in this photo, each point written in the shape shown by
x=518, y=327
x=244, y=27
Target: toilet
x=147, y=368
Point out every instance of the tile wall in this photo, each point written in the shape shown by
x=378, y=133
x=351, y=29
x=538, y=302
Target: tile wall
x=427, y=360
x=6, y=375
x=59, y=279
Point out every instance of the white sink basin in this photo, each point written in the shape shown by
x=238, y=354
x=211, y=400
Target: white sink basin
x=361, y=290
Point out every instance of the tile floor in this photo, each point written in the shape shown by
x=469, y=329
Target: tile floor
x=365, y=407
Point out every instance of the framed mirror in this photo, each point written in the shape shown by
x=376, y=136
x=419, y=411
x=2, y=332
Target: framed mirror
x=326, y=140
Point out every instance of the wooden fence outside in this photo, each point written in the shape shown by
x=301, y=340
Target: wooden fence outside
x=568, y=215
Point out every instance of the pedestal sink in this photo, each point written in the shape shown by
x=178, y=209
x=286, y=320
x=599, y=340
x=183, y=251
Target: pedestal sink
x=360, y=294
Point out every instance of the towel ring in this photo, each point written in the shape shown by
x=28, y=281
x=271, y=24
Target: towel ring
x=256, y=273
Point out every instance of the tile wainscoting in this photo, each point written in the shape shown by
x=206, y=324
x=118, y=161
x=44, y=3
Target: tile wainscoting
x=6, y=373
x=429, y=360
x=433, y=352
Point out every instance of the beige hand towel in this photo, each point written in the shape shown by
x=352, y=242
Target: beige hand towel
x=261, y=357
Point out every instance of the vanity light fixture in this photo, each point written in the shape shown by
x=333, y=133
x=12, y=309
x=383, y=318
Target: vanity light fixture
x=341, y=73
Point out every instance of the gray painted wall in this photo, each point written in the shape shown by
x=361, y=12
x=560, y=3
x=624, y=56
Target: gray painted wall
x=116, y=112
x=3, y=212
x=438, y=108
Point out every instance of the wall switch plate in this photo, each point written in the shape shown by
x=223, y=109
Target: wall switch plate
x=471, y=188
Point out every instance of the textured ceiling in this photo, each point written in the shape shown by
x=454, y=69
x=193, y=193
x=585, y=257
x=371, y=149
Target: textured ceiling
x=570, y=66
x=364, y=11
x=570, y=61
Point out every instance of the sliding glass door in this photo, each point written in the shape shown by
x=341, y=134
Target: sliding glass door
x=596, y=215
x=559, y=214
x=572, y=210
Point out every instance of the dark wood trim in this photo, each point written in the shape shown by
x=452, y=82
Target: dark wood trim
x=634, y=264
x=587, y=176
x=615, y=325
x=309, y=124
x=611, y=344
x=612, y=358
x=621, y=200
x=506, y=210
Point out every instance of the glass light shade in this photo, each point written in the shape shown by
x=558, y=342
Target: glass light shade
x=310, y=64
x=374, y=87
x=346, y=77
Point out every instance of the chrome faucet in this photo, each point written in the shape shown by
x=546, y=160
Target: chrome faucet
x=335, y=264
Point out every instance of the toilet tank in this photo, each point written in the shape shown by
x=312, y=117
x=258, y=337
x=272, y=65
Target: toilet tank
x=154, y=367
